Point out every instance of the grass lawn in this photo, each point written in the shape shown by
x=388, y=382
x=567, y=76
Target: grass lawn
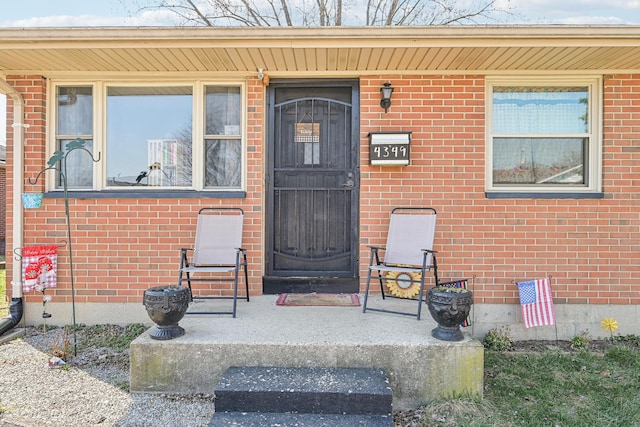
x=4, y=305
x=550, y=388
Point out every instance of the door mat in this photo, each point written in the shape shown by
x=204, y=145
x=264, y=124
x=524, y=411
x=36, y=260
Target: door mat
x=315, y=299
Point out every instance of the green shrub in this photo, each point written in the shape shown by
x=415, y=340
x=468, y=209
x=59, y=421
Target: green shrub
x=498, y=339
x=581, y=342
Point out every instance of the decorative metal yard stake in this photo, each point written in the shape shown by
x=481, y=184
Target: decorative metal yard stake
x=58, y=163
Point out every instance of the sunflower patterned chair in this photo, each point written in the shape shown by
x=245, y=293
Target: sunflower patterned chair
x=408, y=256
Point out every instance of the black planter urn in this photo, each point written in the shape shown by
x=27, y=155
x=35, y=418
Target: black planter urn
x=166, y=306
x=449, y=307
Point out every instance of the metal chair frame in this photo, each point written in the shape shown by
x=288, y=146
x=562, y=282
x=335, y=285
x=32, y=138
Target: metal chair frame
x=428, y=258
x=188, y=268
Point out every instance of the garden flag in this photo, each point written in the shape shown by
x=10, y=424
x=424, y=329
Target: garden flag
x=39, y=264
x=537, y=303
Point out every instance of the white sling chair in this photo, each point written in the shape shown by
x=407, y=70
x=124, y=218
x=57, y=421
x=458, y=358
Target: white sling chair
x=218, y=251
x=408, y=255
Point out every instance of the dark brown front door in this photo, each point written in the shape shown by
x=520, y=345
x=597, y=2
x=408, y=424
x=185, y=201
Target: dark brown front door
x=312, y=187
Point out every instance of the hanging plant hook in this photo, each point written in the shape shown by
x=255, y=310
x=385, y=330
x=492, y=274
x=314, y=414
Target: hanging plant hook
x=58, y=163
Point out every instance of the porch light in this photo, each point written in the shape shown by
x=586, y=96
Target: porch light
x=386, y=90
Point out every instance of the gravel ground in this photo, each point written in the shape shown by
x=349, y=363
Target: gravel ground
x=90, y=391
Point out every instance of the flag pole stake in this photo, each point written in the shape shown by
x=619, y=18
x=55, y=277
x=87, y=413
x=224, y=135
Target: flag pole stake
x=556, y=322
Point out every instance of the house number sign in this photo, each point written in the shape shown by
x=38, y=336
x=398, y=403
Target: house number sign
x=390, y=149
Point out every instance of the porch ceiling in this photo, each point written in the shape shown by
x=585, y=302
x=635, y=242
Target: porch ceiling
x=320, y=51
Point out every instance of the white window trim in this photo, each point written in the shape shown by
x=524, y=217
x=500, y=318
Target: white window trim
x=595, y=155
x=100, y=136
x=51, y=128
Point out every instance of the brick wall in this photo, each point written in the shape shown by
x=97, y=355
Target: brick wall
x=589, y=247
x=123, y=246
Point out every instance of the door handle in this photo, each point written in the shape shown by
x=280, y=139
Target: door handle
x=349, y=184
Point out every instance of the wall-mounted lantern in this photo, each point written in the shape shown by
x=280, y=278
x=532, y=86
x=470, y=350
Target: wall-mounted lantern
x=263, y=76
x=386, y=91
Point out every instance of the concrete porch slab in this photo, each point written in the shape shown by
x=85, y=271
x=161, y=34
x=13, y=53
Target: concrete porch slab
x=420, y=367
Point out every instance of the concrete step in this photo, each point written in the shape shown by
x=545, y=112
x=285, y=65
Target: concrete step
x=258, y=419
x=420, y=367
x=351, y=391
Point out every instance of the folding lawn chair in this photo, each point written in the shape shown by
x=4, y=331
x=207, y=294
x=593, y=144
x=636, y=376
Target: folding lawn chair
x=408, y=255
x=217, y=253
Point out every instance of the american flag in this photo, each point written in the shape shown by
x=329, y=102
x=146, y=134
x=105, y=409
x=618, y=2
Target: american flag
x=537, y=303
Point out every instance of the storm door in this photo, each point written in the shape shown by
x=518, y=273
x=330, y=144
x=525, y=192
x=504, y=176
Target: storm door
x=312, y=187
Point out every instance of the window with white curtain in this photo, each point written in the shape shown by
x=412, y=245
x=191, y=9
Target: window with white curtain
x=543, y=136
x=75, y=120
x=222, y=139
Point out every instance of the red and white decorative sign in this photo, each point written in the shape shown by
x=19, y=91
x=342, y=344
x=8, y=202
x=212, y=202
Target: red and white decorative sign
x=39, y=265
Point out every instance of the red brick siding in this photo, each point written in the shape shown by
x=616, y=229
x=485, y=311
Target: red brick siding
x=123, y=246
x=589, y=247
